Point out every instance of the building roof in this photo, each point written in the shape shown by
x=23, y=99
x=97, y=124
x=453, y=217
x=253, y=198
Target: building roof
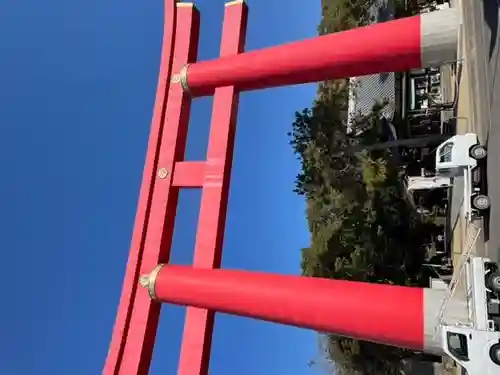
x=367, y=91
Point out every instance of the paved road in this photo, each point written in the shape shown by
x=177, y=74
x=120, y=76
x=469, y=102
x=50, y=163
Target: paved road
x=482, y=50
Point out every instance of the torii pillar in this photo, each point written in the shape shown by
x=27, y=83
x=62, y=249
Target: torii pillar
x=409, y=43
x=392, y=315
x=406, y=317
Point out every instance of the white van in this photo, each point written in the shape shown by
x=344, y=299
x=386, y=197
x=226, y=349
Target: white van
x=475, y=346
x=458, y=156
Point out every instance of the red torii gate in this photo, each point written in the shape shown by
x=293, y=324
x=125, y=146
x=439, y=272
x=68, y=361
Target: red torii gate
x=393, y=315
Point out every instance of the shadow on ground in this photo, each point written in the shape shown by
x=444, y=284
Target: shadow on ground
x=490, y=9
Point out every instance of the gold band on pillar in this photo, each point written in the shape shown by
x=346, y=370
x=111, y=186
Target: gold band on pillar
x=149, y=281
x=183, y=79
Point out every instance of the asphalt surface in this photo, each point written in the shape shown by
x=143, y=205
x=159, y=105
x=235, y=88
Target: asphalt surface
x=482, y=52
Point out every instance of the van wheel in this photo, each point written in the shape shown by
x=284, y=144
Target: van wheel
x=494, y=282
x=478, y=152
x=481, y=202
x=495, y=354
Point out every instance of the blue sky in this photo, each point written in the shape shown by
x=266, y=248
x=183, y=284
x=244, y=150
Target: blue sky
x=77, y=85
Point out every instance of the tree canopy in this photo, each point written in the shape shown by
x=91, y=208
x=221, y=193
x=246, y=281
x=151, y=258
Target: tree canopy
x=362, y=226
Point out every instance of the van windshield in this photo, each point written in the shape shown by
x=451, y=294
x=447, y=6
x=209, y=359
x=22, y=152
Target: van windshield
x=457, y=345
x=445, y=153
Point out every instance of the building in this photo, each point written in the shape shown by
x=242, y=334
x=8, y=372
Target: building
x=367, y=91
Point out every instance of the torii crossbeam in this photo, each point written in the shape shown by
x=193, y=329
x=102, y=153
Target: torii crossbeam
x=341, y=307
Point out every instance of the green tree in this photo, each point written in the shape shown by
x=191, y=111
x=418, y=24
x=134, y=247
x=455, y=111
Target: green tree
x=362, y=226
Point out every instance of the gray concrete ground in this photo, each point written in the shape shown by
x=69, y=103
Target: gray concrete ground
x=478, y=111
x=482, y=62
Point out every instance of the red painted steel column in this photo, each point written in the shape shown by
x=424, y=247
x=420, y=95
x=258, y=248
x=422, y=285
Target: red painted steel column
x=215, y=178
x=122, y=324
x=400, y=45
x=152, y=237
x=387, y=314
